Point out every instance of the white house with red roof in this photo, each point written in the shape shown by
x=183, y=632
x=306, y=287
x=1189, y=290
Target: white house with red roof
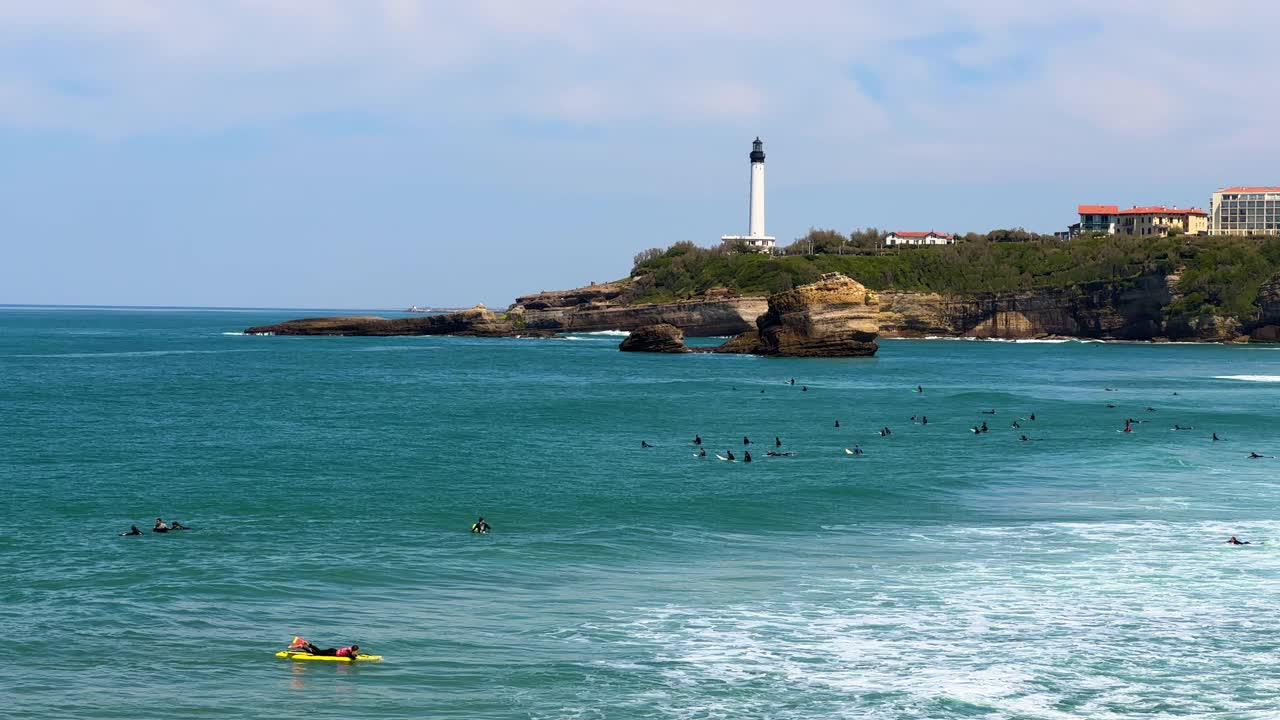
x=1245, y=210
x=910, y=237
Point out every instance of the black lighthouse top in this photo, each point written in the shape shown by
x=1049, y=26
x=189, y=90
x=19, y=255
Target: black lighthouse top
x=757, y=151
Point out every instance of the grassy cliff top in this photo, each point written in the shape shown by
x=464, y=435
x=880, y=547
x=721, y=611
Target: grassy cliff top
x=1218, y=274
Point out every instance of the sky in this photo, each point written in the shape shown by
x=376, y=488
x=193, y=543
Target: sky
x=382, y=153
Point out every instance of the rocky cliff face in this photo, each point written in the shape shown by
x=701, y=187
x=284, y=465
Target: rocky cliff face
x=834, y=317
x=477, y=321
x=1131, y=310
x=1267, y=328
x=601, y=307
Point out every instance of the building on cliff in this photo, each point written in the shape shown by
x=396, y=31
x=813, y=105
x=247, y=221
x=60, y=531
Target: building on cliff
x=907, y=237
x=1097, y=219
x=755, y=239
x=1155, y=220
x=1245, y=211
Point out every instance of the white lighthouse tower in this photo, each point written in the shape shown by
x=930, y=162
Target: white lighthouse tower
x=755, y=237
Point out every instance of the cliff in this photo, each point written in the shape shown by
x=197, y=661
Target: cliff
x=604, y=307
x=655, y=338
x=834, y=317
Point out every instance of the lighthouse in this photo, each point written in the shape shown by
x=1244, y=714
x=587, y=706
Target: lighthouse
x=755, y=238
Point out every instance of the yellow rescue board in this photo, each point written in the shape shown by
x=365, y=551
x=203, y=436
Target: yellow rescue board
x=330, y=658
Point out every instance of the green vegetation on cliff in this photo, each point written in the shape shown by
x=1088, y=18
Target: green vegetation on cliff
x=1218, y=274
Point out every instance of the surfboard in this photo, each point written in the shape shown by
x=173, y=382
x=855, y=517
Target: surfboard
x=721, y=457
x=290, y=655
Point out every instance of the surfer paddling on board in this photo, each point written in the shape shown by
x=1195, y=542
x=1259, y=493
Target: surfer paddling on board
x=133, y=530
x=1236, y=541
x=350, y=651
x=480, y=526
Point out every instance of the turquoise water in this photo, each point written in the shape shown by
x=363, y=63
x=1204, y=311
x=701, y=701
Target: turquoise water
x=332, y=481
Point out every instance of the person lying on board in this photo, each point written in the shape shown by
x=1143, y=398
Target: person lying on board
x=351, y=651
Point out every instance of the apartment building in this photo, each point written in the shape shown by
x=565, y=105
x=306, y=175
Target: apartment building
x=1245, y=210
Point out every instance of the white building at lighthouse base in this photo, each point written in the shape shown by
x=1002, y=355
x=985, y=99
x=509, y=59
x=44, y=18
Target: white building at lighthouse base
x=757, y=243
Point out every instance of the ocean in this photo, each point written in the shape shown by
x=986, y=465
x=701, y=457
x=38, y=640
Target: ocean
x=331, y=483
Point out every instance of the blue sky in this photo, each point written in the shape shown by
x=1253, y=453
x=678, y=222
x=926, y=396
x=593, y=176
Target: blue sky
x=331, y=153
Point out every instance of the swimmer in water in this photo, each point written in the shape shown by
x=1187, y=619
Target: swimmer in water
x=1236, y=541
x=159, y=527
x=133, y=530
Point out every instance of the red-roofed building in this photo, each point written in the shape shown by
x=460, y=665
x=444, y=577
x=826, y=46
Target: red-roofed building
x=907, y=237
x=1245, y=210
x=1097, y=219
x=1160, y=221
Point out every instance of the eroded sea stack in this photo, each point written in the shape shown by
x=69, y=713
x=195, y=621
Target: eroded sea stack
x=660, y=338
x=836, y=316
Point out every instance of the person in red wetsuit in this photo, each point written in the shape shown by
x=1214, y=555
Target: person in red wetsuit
x=351, y=651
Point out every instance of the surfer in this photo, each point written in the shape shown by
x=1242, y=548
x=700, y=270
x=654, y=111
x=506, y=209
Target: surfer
x=1179, y=427
x=702, y=452
x=351, y=651
x=1256, y=456
x=159, y=527
x=746, y=440
x=1128, y=427
x=1150, y=409
x=1216, y=438
x=988, y=412
x=730, y=454
x=984, y=426
x=1111, y=406
x=1016, y=426
x=804, y=388
x=924, y=419
x=857, y=449
x=133, y=530
x=645, y=444
x=480, y=527
x=1024, y=438
x=777, y=441
x=1033, y=417
x=1236, y=541
x=175, y=525
x=697, y=439
x=746, y=456
x=837, y=423
x=919, y=389
x=793, y=381
x=772, y=453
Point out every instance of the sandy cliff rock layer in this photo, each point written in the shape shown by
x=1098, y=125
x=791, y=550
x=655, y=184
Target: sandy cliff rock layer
x=834, y=317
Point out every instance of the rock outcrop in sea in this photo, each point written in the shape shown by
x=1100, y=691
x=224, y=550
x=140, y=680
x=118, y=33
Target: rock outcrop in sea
x=477, y=321
x=836, y=316
x=660, y=338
